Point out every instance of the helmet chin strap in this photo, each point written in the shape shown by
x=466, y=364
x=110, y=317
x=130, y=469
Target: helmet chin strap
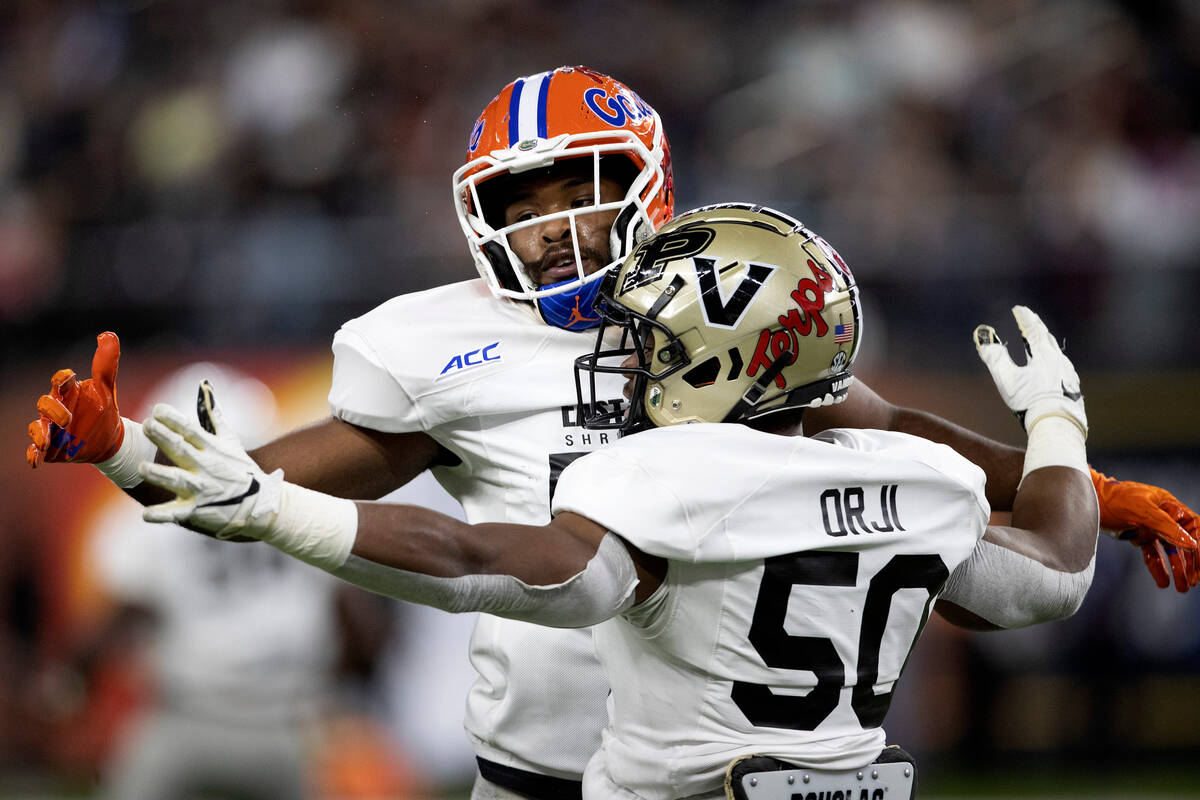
x=754, y=393
x=571, y=311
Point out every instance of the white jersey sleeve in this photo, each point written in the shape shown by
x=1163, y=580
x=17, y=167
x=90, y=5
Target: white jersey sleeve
x=390, y=363
x=363, y=392
x=434, y=358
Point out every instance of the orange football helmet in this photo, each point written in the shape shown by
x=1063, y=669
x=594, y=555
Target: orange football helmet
x=536, y=121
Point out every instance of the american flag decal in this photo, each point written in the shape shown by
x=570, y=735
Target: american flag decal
x=843, y=332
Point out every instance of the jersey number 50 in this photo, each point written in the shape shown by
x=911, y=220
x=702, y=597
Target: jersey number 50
x=781, y=650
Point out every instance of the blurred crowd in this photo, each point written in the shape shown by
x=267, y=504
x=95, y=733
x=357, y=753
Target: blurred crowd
x=251, y=174
x=266, y=169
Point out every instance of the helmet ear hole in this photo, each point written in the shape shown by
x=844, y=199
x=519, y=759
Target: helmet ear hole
x=703, y=374
x=491, y=200
x=620, y=242
x=498, y=258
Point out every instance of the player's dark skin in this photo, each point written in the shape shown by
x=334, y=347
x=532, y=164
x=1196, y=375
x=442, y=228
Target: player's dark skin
x=353, y=462
x=547, y=249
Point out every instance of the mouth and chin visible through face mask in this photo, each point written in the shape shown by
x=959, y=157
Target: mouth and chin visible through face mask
x=548, y=249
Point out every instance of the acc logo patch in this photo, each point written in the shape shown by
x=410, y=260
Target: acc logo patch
x=470, y=359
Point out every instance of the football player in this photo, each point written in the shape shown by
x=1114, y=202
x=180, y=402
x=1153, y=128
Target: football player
x=757, y=591
x=246, y=645
x=565, y=171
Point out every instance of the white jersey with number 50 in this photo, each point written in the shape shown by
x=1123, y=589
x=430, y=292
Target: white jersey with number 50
x=493, y=384
x=800, y=574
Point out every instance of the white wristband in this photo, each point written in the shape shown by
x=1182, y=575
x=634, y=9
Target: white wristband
x=314, y=527
x=1055, y=441
x=136, y=447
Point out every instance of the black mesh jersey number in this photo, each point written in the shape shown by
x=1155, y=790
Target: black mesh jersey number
x=781, y=650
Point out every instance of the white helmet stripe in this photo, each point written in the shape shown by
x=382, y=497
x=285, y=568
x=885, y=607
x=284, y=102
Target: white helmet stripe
x=531, y=107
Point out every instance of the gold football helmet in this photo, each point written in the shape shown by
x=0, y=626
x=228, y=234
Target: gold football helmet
x=729, y=313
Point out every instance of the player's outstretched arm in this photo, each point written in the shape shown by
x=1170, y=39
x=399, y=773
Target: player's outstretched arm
x=1153, y=519
x=345, y=460
x=864, y=408
x=1039, y=568
x=569, y=573
x=79, y=422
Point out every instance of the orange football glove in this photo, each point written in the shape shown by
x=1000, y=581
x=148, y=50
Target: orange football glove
x=78, y=420
x=1167, y=531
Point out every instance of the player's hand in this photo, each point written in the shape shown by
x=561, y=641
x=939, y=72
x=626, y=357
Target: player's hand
x=218, y=488
x=1047, y=385
x=1167, y=531
x=78, y=421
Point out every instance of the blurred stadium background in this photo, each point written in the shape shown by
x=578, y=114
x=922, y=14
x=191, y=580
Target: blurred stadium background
x=230, y=181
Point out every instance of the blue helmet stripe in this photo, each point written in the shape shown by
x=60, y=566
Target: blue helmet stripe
x=543, y=94
x=514, y=113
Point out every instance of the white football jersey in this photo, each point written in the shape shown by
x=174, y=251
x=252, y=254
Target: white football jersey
x=243, y=631
x=800, y=574
x=493, y=384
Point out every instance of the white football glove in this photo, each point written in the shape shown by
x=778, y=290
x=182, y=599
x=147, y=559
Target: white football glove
x=218, y=487
x=1047, y=385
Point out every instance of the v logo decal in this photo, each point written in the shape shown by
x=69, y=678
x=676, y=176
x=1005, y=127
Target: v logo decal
x=727, y=312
